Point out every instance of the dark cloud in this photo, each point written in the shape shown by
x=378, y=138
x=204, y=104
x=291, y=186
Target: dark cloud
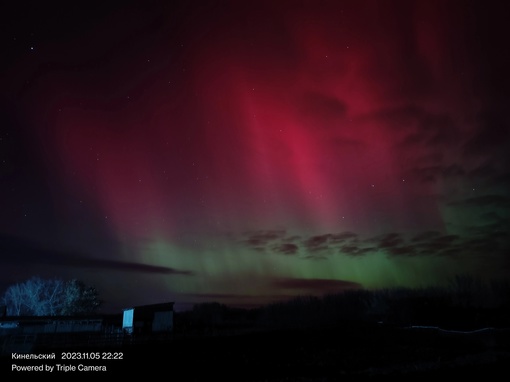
x=436, y=245
x=496, y=234
x=346, y=143
x=427, y=174
x=493, y=217
x=492, y=134
x=502, y=179
x=491, y=173
x=328, y=241
x=417, y=126
x=407, y=250
x=274, y=241
x=286, y=248
x=16, y=251
x=446, y=239
x=452, y=252
x=428, y=243
x=427, y=235
x=495, y=201
x=436, y=172
x=393, y=244
x=488, y=240
x=343, y=236
x=388, y=240
x=439, y=130
x=314, y=285
x=484, y=246
x=355, y=250
x=259, y=239
x=454, y=170
x=485, y=170
x=490, y=236
x=316, y=247
x=318, y=242
x=422, y=138
x=479, y=240
x=400, y=118
x=315, y=256
x=218, y=296
x=245, y=301
x=322, y=107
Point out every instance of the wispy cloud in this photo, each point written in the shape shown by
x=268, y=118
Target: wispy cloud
x=17, y=251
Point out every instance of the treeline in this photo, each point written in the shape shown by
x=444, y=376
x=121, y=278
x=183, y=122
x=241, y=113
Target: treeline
x=467, y=303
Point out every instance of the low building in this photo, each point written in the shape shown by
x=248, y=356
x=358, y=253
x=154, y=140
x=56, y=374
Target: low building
x=149, y=319
x=26, y=333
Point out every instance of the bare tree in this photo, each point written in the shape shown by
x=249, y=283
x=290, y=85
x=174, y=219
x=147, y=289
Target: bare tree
x=13, y=300
x=50, y=297
x=79, y=298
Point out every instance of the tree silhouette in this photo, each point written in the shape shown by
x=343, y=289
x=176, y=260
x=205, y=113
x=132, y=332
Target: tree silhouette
x=50, y=297
x=79, y=298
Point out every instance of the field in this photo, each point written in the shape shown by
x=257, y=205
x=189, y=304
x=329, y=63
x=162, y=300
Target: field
x=324, y=354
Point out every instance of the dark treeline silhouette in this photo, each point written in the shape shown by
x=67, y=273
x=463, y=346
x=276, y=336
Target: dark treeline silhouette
x=466, y=303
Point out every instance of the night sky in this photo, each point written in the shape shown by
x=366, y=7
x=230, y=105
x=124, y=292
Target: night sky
x=245, y=152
